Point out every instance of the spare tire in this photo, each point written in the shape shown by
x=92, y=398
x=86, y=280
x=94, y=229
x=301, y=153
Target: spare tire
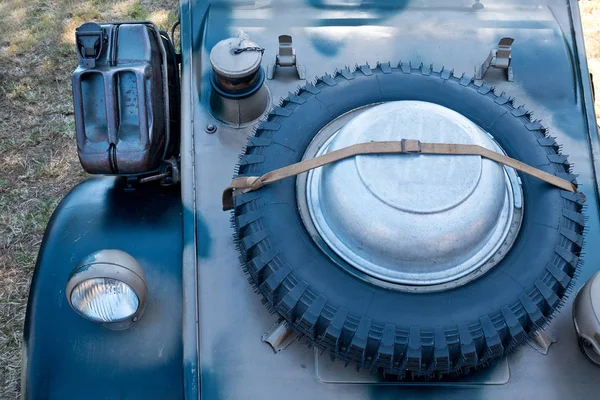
x=381, y=327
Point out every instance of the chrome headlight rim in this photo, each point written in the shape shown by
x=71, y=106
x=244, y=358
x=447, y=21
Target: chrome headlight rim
x=111, y=264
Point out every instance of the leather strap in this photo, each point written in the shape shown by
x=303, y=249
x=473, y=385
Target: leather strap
x=405, y=146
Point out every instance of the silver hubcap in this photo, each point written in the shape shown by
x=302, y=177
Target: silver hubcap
x=416, y=220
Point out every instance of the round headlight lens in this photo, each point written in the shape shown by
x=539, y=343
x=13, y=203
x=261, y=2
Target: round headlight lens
x=104, y=300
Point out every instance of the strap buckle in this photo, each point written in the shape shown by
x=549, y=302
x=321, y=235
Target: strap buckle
x=410, y=146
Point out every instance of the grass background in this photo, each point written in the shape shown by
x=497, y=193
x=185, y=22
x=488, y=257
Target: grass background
x=38, y=157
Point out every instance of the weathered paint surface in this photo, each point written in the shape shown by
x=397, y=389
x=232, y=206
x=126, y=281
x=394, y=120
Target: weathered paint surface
x=68, y=357
x=550, y=79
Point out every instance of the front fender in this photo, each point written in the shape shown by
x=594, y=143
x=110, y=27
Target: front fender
x=68, y=357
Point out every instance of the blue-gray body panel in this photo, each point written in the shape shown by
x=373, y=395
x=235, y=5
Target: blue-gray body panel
x=551, y=79
x=68, y=357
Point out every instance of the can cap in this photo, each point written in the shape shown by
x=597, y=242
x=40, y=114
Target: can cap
x=227, y=63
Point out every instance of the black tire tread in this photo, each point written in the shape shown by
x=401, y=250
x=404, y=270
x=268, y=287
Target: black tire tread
x=404, y=351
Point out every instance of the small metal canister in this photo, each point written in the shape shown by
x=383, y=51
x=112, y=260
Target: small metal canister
x=238, y=95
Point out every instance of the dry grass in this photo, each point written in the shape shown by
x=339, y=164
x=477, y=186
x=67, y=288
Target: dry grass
x=590, y=16
x=38, y=161
x=38, y=158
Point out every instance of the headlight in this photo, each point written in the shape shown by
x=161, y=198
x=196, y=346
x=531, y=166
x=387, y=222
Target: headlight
x=104, y=300
x=108, y=287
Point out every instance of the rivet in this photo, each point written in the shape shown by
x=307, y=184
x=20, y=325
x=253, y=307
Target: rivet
x=210, y=128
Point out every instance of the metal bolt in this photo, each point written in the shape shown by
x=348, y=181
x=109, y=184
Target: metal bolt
x=210, y=128
x=135, y=319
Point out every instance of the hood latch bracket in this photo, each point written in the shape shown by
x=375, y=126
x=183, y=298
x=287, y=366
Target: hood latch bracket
x=498, y=58
x=286, y=57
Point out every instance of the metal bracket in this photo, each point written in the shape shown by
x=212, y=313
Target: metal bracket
x=168, y=173
x=279, y=336
x=541, y=341
x=498, y=58
x=286, y=57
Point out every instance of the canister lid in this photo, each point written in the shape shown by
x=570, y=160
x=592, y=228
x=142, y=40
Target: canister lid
x=411, y=219
x=227, y=63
